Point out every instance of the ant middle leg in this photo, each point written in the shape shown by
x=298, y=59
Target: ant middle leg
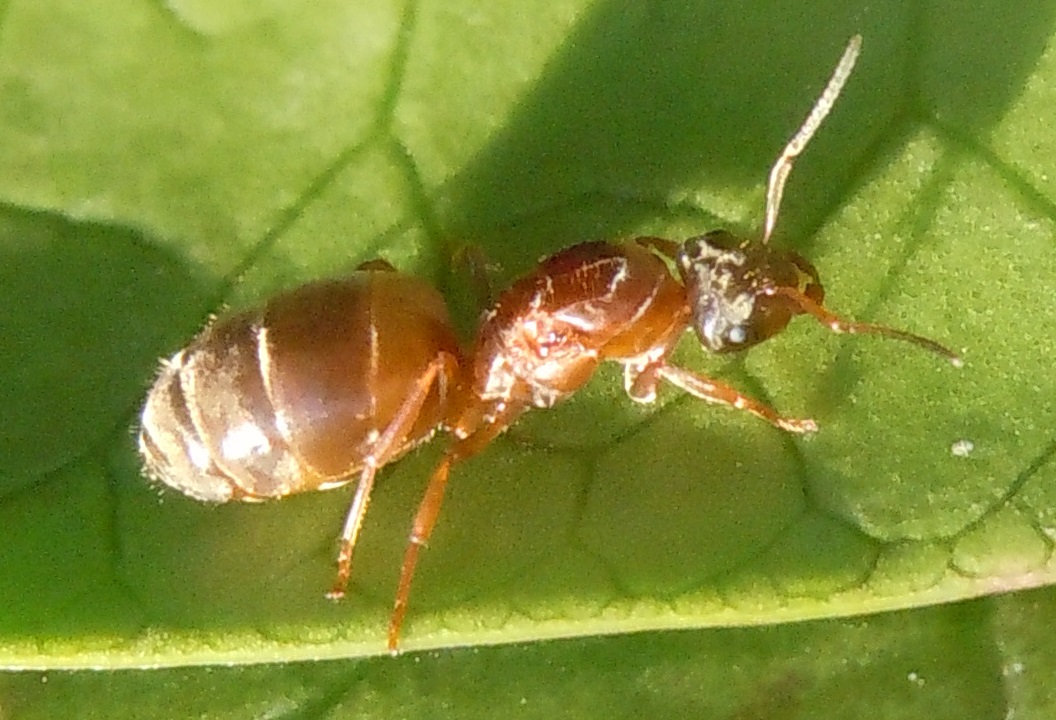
x=472, y=261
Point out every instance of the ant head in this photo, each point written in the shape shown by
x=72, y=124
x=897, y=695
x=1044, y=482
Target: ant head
x=726, y=278
x=739, y=292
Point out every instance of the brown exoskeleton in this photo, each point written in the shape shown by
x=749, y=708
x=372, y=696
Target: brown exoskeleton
x=600, y=301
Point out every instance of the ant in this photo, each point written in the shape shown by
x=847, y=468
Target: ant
x=339, y=377
x=600, y=301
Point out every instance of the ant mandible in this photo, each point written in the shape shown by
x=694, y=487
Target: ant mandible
x=599, y=301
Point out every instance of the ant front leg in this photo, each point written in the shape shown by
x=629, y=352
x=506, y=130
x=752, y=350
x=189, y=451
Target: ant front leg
x=641, y=383
x=667, y=248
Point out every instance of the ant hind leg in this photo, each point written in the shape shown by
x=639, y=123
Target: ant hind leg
x=387, y=443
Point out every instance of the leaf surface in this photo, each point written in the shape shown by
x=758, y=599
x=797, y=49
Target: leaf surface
x=162, y=162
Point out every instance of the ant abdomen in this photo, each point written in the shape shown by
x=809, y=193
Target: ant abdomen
x=208, y=427
x=294, y=396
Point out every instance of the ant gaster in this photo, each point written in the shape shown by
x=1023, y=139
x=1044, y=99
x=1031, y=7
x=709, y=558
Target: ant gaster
x=333, y=378
x=601, y=301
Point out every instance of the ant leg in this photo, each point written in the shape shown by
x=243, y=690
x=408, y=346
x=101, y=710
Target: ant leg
x=715, y=392
x=779, y=173
x=839, y=325
x=640, y=380
x=429, y=510
x=440, y=370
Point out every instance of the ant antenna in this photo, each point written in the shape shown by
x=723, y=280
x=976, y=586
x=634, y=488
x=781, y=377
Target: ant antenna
x=795, y=146
x=839, y=325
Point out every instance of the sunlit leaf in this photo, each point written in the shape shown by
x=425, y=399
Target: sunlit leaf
x=160, y=162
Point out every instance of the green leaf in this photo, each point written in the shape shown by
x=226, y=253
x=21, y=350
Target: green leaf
x=163, y=161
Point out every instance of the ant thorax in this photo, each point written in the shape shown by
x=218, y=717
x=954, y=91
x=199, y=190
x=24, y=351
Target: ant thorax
x=535, y=353
x=546, y=335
